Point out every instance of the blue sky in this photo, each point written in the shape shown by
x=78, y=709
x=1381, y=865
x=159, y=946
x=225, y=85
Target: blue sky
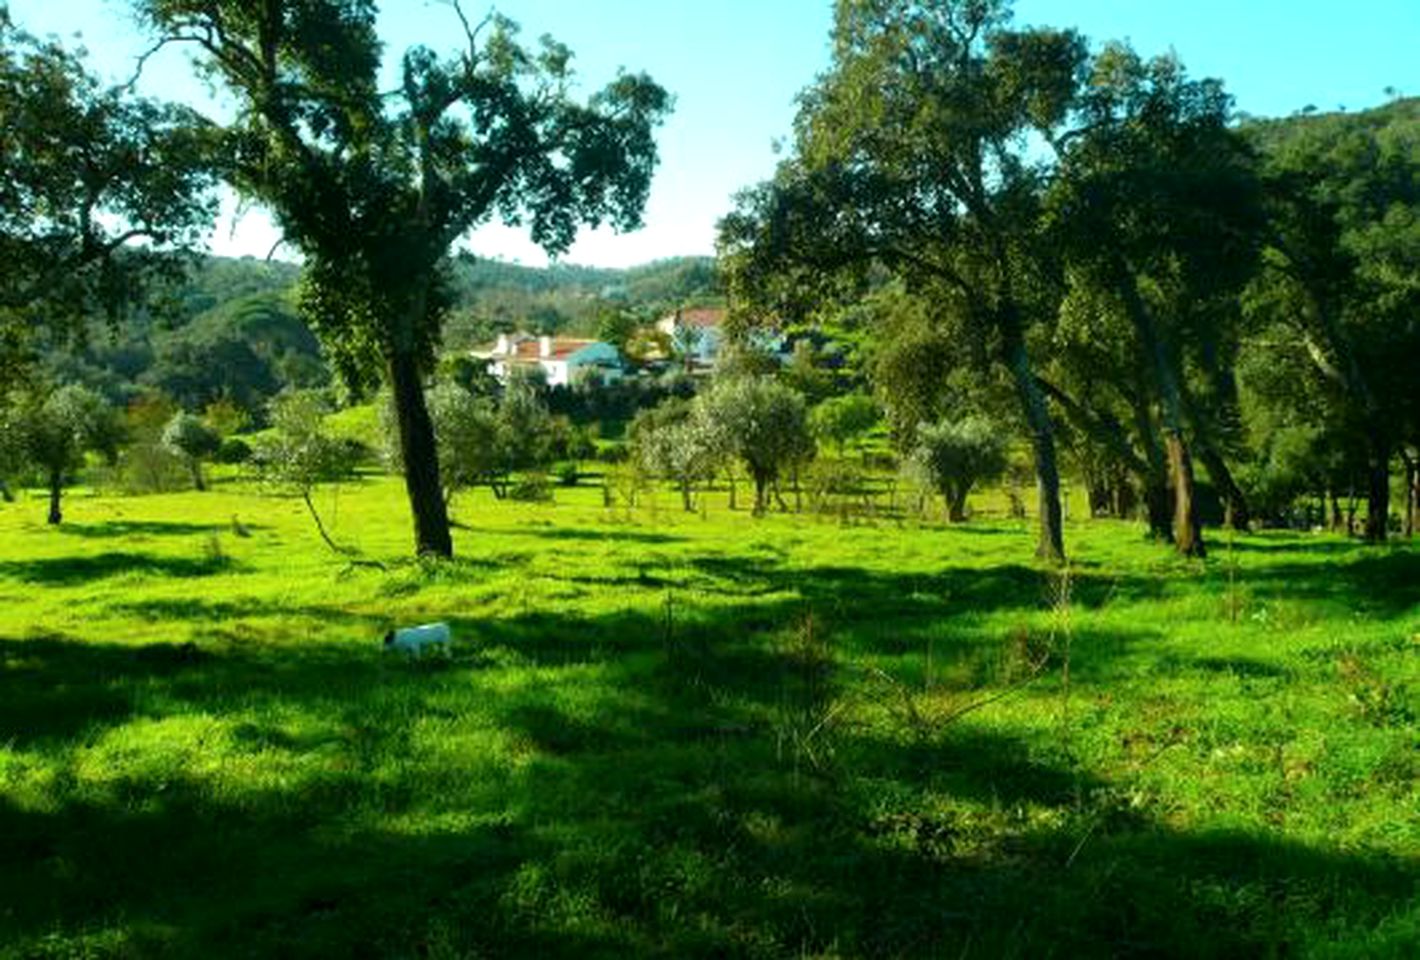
x=736, y=65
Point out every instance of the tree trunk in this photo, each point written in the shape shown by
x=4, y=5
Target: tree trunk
x=1156, y=482
x=685, y=500
x=5, y=493
x=1188, y=536
x=1337, y=520
x=1378, y=489
x=956, y=505
x=421, y=459
x=1187, y=532
x=1411, y=470
x=761, y=498
x=196, y=469
x=1238, y=513
x=1051, y=545
x=56, y=489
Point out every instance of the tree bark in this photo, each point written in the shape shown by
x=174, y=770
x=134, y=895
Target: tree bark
x=5, y=492
x=1051, y=545
x=421, y=459
x=1187, y=531
x=956, y=505
x=196, y=469
x=56, y=490
x=1156, y=482
x=1411, y=469
x=1239, y=515
x=1378, y=489
x=1188, y=536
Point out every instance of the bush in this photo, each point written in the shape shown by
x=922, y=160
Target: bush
x=566, y=473
x=531, y=488
x=233, y=450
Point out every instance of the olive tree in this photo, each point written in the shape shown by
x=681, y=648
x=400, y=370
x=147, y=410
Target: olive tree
x=56, y=431
x=764, y=425
x=373, y=185
x=952, y=457
x=299, y=452
x=842, y=420
x=192, y=441
x=671, y=441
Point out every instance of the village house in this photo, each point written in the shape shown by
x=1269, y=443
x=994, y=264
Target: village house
x=563, y=360
x=698, y=334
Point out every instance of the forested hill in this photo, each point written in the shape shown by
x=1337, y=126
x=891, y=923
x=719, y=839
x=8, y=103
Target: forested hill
x=1398, y=119
x=234, y=331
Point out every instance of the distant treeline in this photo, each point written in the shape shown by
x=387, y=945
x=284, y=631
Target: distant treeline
x=233, y=331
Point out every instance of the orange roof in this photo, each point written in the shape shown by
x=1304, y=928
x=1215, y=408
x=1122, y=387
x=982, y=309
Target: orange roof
x=702, y=317
x=562, y=348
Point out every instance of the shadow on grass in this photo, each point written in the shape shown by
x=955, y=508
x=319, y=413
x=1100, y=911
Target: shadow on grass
x=610, y=534
x=666, y=787
x=146, y=528
x=1384, y=585
x=66, y=571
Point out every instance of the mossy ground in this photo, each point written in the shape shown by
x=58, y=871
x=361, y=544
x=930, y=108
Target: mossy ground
x=684, y=735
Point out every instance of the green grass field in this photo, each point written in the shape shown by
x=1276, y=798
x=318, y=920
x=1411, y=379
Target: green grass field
x=672, y=735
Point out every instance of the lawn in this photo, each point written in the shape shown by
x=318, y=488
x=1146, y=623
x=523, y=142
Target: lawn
x=679, y=735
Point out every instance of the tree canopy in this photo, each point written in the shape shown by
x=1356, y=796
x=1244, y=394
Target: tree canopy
x=374, y=186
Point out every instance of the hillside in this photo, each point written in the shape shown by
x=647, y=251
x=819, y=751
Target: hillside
x=234, y=330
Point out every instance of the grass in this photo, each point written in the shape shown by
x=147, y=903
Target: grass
x=673, y=735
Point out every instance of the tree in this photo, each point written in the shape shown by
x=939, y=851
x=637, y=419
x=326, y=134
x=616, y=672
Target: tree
x=1158, y=209
x=373, y=187
x=188, y=438
x=842, y=420
x=1338, y=288
x=912, y=152
x=100, y=190
x=467, y=429
x=59, y=428
x=953, y=457
x=765, y=424
x=299, y=452
x=671, y=441
x=617, y=325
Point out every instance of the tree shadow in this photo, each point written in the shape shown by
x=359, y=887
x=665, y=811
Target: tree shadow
x=1385, y=585
x=113, y=529
x=610, y=535
x=647, y=784
x=67, y=571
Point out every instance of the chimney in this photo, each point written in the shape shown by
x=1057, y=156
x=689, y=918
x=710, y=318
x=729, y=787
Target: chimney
x=502, y=348
x=544, y=347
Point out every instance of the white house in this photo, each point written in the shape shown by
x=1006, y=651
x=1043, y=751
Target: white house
x=696, y=333
x=563, y=360
x=700, y=334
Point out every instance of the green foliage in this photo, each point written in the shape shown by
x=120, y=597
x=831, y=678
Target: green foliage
x=469, y=433
x=953, y=457
x=298, y=451
x=761, y=423
x=843, y=420
x=99, y=191
x=188, y=437
x=373, y=187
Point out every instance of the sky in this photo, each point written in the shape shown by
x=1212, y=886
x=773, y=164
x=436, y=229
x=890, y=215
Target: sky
x=735, y=67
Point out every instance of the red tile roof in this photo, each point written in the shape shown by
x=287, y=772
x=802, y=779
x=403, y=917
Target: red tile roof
x=702, y=317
